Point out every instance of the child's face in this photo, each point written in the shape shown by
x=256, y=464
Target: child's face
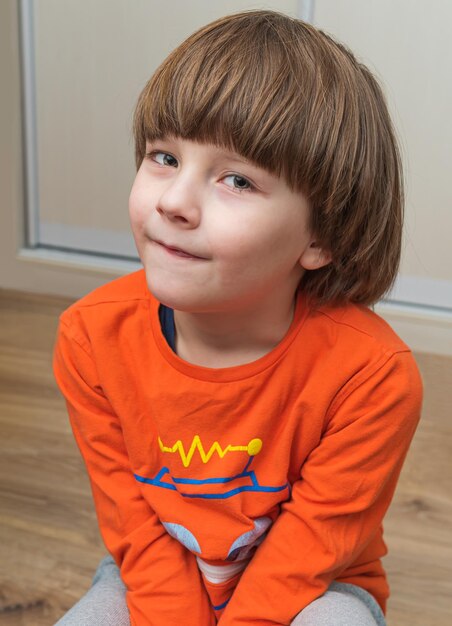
x=244, y=231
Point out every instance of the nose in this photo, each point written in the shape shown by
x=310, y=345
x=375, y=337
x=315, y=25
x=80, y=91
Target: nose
x=180, y=201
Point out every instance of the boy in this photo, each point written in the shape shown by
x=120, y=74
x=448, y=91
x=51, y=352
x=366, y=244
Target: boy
x=242, y=413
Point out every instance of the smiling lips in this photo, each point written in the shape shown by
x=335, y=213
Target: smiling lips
x=178, y=251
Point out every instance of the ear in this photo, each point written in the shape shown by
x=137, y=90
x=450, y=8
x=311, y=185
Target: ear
x=314, y=257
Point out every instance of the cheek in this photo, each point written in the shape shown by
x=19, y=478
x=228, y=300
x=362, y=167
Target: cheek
x=139, y=206
x=248, y=239
x=232, y=245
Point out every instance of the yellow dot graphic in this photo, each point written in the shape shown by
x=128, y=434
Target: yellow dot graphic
x=254, y=447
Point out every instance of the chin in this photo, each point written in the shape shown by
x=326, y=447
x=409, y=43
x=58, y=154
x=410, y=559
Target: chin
x=176, y=298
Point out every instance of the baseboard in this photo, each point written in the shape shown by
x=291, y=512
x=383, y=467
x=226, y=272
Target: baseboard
x=424, y=329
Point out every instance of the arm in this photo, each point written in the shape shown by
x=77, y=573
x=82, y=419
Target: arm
x=162, y=578
x=345, y=488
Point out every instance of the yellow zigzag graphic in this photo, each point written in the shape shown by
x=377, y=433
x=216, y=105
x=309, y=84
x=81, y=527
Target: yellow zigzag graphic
x=253, y=448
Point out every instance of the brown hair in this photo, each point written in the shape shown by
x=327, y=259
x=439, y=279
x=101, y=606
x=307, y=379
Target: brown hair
x=286, y=96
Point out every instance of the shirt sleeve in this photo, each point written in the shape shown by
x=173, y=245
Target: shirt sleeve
x=345, y=488
x=164, y=585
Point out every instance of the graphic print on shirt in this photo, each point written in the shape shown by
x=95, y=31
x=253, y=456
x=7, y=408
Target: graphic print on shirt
x=212, y=488
x=215, y=488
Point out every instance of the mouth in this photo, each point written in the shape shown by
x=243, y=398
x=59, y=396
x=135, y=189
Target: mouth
x=175, y=251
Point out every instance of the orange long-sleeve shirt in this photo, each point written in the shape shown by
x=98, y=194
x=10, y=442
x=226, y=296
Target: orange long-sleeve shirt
x=237, y=493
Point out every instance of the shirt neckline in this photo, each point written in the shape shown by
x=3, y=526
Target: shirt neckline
x=232, y=373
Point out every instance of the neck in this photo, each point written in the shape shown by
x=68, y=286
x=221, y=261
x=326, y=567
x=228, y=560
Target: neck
x=227, y=339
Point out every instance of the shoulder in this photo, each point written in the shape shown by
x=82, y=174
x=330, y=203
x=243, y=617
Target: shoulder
x=365, y=358
x=352, y=344
x=357, y=327
x=105, y=308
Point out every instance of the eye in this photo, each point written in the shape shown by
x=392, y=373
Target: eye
x=237, y=182
x=163, y=158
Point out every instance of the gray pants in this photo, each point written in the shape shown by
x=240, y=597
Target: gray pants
x=343, y=604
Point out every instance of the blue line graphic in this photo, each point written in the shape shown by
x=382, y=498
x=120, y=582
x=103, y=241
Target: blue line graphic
x=254, y=487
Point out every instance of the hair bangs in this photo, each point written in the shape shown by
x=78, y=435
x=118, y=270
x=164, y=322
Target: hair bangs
x=230, y=91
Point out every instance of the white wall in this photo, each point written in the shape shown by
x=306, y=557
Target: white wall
x=408, y=45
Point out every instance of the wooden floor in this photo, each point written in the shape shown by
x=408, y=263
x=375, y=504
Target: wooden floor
x=50, y=544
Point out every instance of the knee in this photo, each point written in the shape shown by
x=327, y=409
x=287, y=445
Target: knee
x=335, y=608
